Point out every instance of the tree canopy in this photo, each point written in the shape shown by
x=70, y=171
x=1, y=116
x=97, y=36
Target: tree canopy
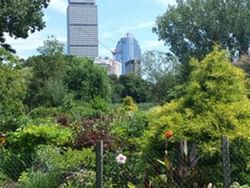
x=13, y=90
x=214, y=105
x=19, y=18
x=191, y=27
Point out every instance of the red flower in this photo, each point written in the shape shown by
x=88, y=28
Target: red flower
x=168, y=134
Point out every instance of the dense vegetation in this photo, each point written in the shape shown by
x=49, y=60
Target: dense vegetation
x=161, y=128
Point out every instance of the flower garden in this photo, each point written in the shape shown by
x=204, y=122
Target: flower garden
x=176, y=144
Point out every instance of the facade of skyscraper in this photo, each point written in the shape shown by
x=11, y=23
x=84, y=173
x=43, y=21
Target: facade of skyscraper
x=127, y=50
x=82, y=23
x=113, y=67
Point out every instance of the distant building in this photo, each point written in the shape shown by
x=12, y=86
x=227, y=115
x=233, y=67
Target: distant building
x=112, y=66
x=133, y=66
x=82, y=28
x=127, y=50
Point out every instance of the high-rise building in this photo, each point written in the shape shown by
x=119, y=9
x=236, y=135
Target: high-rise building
x=113, y=67
x=127, y=50
x=82, y=28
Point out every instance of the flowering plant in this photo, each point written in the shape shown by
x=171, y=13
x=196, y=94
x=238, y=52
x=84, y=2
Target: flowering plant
x=121, y=159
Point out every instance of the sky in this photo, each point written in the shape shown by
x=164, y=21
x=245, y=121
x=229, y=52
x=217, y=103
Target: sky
x=115, y=18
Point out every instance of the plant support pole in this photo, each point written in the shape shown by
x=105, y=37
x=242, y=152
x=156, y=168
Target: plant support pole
x=226, y=162
x=99, y=164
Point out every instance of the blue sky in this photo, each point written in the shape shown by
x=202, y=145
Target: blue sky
x=115, y=18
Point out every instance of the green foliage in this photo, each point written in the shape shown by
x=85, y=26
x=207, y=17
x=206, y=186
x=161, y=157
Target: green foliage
x=38, y=179
x=19, y=18
x=117, y=88
x=43, y=112
x=118, y=175
x=52, y=158
x=155, y=64
x=13, y=90
x=215, y=104
x=77, y=110
x=61, y=167
x=161, y=70
x=83, y=178
x=29, y=137
x=46, y=87
x=129, y=127
x=13, y=163
x=18, y=154
x=240, y=161
x=87, y=80
x=4, y=180
x=134, y=86
x=128, y=104
x=237, y=185
x=244, y=64
x=192, y=27
x=51, y=47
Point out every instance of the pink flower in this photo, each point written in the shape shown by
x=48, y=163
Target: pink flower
x=121, y=159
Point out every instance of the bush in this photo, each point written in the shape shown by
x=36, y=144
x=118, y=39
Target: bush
x=38, y=180
x=215, y=104
x=29, y=137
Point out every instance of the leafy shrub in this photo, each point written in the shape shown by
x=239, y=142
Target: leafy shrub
x=128, y=129
x=31, y=136
x=5, y=181
x=128, y=104
x=13, y=163
x=215, y=104
x=73, y=167
x=43, y=112
x=38, y=179
x=19, y=150
x=83, y=178
x=90, y=130
x=119, y=175
x=51, y=158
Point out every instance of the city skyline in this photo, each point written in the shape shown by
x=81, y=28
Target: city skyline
x=115, y=18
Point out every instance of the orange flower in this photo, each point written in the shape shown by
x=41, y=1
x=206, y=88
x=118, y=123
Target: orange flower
x=168, y=134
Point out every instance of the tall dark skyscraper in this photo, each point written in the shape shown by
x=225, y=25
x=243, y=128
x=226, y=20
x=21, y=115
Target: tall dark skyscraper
x=82, y=23
x=127, y=51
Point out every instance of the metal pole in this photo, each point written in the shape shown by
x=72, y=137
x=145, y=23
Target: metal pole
x=226, y=162
x=99, y=164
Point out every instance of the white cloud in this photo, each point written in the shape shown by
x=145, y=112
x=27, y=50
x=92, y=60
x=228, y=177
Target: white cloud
x=28, y=46
x=31, y=43
x=59, y=5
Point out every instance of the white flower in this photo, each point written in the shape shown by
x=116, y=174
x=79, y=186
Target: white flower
x=121, y=159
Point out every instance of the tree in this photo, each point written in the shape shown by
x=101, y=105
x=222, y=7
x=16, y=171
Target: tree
x=51, y=47
x=117, y=88
x=192, y=27
x=215, y=104
x=155, y=64
x=244, y=64
x=135, y=87
x=19, y=18
x=86, y=80
x=46, y=86
x=161, y=70
x=13, y=90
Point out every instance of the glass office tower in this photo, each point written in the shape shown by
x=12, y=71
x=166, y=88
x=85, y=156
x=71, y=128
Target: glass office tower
x=82, y=28
x=127, y=50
